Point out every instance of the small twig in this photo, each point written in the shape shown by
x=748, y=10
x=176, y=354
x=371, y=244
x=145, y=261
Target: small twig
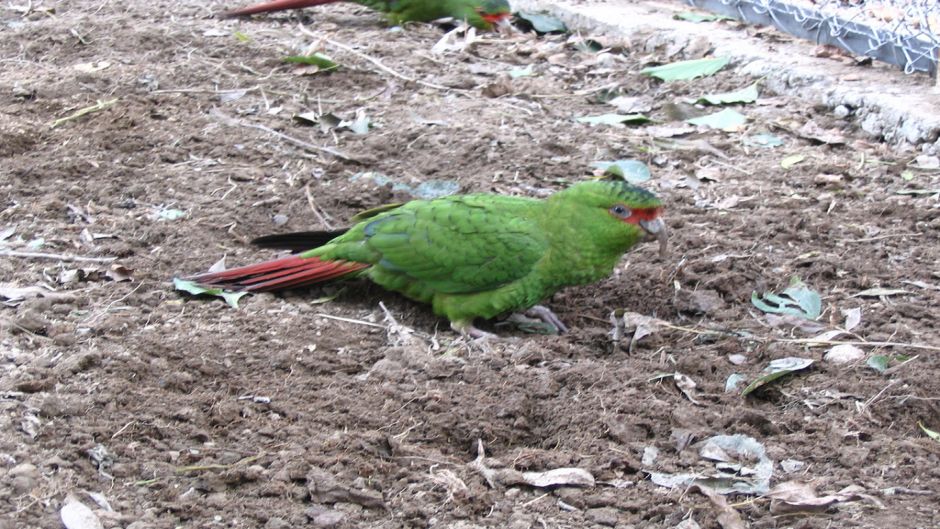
x=290, y=139
x=477, y=464
x=854, y=342
x=59, y=256
x=22, y=329
x=899, y=366
x=588, y=91
x=123, y=428
x=537, y=498
x=891, y=491
x=316, y=210
x=730, y=166
x=378, y=64
x=350, y=320
x=203, y=90
x=199, y=468
x=808, y=341
x=100, y=105
x=880, y=237
x=872, y=400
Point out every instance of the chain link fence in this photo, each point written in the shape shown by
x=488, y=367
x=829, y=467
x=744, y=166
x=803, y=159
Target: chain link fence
x=901, y=32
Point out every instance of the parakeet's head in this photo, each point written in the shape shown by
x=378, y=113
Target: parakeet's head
x=615, y=212
x=492, y=12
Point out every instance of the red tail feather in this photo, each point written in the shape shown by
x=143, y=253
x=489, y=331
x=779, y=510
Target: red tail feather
x=293, y=271
x=276, y=5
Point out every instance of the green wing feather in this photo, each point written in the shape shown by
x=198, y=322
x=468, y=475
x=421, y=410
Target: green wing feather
x=453, y=245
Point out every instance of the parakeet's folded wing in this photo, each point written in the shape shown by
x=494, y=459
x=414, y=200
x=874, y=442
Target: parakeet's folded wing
x=468, y=244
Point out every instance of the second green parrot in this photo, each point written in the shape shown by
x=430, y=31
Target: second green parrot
x=469, y=256
x=482, y=14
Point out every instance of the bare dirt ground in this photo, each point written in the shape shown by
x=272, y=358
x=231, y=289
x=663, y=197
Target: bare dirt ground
x=183, y=412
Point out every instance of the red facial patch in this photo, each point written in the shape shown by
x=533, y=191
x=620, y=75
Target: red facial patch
x=494, y=18
x=636, y=215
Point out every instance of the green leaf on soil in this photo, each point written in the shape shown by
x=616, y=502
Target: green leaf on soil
x=930, y=433
x=878, y=362
x=195, y=289
x=686, y=70
x=242, y=37
x=359, y=125
x=615, y=119
x=692, y=16
x=791, y=160
x=727, y=120
x=97, y=107
x=796, y=300
x=747, y=94
x=516, y=73
x=733, y=381
x=543, y=22
x=171, y=214
x=328, y=298
x=319, y=60
x=633, y=171
x=763, y=139
x=777, y=369
x=907, y=175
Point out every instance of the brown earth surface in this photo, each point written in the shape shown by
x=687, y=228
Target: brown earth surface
x=321, y=407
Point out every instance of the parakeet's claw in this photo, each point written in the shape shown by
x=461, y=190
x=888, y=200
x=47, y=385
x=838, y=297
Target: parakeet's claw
x=467, y=328
x=545, y=314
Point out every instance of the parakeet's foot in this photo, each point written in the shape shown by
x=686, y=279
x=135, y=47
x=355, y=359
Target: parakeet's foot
x=467, y=329
x=545, y=315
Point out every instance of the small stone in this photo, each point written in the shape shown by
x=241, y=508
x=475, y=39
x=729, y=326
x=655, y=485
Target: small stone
x=387, y=369
x=854, y=457
x=53, y=406
x=33, y=322
x=321, y=516
x=825, y=179
x=280, y=220
x=25, y=469
x=277, y=523
x=22, y=484
x=699, y=301
x=843, y=354
x=737, y=359
x=217, y=500
x=603, y=516
x=925, y=161
x=77, y=363
x=792, y=465
x=841, y=111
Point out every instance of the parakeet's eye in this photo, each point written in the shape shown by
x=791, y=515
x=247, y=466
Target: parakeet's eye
x=620, y=211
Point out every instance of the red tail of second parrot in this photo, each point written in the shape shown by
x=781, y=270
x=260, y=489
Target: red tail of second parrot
x=287, y=272
x=276, y=5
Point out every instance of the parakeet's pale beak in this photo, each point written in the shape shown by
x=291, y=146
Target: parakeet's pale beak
x=656, y=229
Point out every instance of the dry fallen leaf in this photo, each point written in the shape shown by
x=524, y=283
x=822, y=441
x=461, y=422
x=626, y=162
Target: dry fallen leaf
x=687, y=386
x=792, y=496
x=77, y=515
x=844, y=354
x=571, y=477
x=811, y=131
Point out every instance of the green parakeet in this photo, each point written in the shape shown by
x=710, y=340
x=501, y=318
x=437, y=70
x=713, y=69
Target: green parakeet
x=482, y=14
x=469, y=256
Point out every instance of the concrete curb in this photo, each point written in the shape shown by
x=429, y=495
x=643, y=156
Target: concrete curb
x=903, y=110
